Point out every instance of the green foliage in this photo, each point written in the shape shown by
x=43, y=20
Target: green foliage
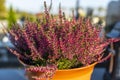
x=3, y=13
x=39, y=62
x=65, y=63
x=2, y=7
x=11, y=17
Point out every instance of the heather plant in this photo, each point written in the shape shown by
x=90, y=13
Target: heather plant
x=57, y=42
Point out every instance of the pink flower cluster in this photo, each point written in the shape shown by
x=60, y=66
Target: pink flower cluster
x=57, y=41
x=41, y=72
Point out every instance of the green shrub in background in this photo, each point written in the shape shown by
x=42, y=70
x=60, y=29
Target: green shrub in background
x=11, y=17
x=3, y=12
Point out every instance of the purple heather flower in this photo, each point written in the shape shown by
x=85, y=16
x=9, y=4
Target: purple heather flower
x=58, y=41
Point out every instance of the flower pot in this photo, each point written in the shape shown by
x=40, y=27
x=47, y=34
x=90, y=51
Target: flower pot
x=83, y=73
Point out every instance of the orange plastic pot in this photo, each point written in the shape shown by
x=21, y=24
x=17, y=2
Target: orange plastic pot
x=83, y=73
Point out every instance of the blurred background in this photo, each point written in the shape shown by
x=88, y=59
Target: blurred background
x=105, y=13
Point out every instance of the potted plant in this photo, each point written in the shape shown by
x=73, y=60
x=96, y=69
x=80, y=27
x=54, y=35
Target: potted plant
x=57, y=48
